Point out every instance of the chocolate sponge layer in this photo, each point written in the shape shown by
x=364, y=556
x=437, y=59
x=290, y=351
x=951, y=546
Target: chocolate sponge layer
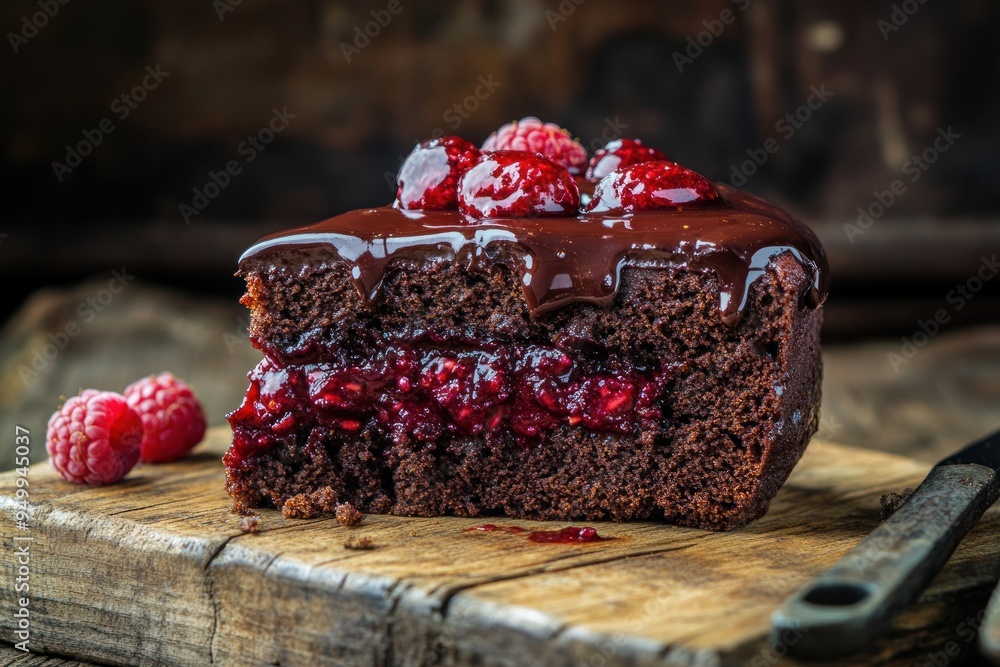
x=736, y=417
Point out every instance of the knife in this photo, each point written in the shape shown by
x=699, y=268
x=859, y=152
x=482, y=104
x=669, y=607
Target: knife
x=849, y=607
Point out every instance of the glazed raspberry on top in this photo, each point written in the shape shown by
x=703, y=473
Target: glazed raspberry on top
x=94, y=438
x=618, y=154
x=652, y=185
x=517, y=184
x=532, y=135
x=172, y=417
x=428, y=178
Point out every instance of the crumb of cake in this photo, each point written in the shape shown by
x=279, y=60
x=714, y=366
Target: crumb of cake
x=892, y=501
x=348, y=515
x=362, y=543
x=325, y=500
x=250, y=524
x=298, y=507
x=309, y=505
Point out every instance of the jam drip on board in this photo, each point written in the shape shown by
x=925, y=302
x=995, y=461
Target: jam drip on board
x=568, y=535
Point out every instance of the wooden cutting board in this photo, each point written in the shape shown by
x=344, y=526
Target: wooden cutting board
x=155, y=570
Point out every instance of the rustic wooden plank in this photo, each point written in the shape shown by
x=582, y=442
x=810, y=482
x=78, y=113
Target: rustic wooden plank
x=155, y=570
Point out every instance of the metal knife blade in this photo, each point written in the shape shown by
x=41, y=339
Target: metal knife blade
x=850, y=606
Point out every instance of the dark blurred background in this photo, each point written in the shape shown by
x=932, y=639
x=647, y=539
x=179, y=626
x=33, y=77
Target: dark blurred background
x=875, y=122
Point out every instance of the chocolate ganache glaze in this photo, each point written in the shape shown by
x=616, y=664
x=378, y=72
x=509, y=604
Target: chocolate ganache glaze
x=574, y=259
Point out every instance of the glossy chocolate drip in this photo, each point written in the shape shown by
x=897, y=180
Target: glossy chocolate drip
x=572, y=259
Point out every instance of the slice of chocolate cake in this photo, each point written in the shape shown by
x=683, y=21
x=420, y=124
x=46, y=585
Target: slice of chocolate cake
x=487, y=346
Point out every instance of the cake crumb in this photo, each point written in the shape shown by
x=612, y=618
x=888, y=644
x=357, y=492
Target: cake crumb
x=326, y=500
x=250, y=524
x=298, y=507
x=891, y=502
x=348, y=515
x=309, y=505
x=363, y=543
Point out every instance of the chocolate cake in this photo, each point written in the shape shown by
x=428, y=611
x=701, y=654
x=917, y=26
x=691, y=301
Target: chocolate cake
x=515, y=337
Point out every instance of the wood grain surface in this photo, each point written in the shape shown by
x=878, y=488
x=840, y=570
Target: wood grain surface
x=156, y=571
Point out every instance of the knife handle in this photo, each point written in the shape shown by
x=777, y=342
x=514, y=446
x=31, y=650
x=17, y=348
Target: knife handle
x=852, y=604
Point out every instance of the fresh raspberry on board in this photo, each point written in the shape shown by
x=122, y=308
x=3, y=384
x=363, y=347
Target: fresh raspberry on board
x=172, y=417
x=618, y=154
x=94, y=438
x=651, y=185
x=517, y=184
x=428, y=179
x=532, y=135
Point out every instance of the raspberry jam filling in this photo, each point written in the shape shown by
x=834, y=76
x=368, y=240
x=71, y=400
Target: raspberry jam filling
x=420, y=392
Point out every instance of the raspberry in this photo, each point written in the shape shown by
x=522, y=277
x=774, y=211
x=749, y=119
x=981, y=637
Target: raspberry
x=94, y=438
x=172, y=417
x=428, y=179
x=618, y=154
x=517, y=184
x=532, y=135
x=651, y=185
